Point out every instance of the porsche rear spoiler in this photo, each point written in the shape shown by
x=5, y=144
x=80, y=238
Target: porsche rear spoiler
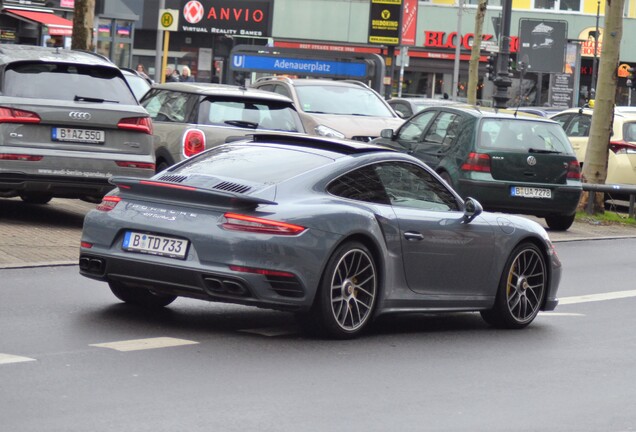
x=184, y=194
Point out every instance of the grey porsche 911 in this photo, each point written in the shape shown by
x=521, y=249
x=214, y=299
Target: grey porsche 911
x=338, y=232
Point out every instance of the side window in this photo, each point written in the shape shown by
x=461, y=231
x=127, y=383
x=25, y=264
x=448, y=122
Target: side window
x=413, y=128
x=444, y=129
x=579, y=126
x=361, y=185
x=409, y=185
x=403, y=109
x=166, y=106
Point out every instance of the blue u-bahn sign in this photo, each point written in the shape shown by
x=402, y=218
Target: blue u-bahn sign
x=288, y=65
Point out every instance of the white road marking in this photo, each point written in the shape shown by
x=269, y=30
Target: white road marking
x=597, y=297
x=560, y=314
x=8, y=358
x=144, y=344
x=271, y=331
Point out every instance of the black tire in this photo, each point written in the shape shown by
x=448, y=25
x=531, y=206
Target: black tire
x=559, y=222
x=36, y=197
x=522, y=289
x=140, y=296
x=346, y=296
x=161, y=166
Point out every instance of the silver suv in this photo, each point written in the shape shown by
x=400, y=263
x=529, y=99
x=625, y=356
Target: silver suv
x=68, y=122
x=340, y=109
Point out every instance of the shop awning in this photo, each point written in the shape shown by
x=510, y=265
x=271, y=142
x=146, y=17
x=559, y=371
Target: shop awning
x=57, y=25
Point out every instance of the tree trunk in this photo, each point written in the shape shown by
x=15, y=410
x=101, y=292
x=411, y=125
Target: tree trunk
x=83, y=25
x=595, y=164
x=473, y=65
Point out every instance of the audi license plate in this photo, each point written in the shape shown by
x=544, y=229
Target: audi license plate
x=78, y=135
x=530, y=192
x=155, y=244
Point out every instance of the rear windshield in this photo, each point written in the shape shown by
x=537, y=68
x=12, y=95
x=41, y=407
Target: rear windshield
x=332, y=99
x=253, y=114
x=70, y=82
x=265, y=165
x=523, y=135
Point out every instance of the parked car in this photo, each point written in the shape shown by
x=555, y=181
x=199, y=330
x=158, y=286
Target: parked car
x=191, y=117
x=405, y=107
x=137, y=82
x=621, y=158
x=510, y=162
x=69, y=122
x=337, y=231
x=340, y=109
x=538, y=110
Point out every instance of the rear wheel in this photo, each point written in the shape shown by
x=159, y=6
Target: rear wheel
x=522, y=289
x=36, y=197
x=347, y=293
x=559, y=222
x=140, y=296
x=446, y=177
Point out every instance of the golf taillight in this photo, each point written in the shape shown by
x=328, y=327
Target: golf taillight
x=574, y=170
x=239, y=222
x=622, y=147
x=479, y=162
x=108, y=203
x=12, y=115
x=138, y=124
x=193, y=142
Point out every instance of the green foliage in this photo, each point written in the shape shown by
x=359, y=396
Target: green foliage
x=607, y=218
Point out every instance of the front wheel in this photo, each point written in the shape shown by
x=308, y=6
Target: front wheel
x=347, y=292
x=521, y=291
x=140, y=296
x=559, y=222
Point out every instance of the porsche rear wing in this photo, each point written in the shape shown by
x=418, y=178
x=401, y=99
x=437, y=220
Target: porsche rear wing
x=138, y=188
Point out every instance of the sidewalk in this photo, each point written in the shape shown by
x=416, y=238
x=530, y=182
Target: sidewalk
x=50, y=234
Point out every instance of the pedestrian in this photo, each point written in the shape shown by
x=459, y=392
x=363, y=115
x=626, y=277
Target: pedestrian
x=186, y=75
x=170, y=75
x=142, y=71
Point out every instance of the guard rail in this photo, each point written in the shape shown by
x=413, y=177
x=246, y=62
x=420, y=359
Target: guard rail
x=610, y=188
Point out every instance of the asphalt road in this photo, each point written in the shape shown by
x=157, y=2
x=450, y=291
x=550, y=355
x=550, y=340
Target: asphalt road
x=72, y=358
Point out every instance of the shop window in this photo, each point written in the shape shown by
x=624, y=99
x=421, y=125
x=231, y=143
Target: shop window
x=558, y=5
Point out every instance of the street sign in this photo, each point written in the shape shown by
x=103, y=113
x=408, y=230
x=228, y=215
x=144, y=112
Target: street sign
x=490, y=46
x=168, y=20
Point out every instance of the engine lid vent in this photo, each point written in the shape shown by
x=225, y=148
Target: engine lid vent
x=232, y=187
x=174, y=178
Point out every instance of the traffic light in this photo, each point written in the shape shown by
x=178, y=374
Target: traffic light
x=630, y=77
x=511, y=66
x=491, y=66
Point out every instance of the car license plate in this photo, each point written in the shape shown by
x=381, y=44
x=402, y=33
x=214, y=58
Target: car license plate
x=530, y=192
x=78, y=135
x=155, y=244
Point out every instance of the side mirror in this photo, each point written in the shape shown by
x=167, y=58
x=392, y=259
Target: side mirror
x=387, y=134
x=472, y=209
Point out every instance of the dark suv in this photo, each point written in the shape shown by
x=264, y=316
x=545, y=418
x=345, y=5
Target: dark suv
x=511, y=162
x=68, y=122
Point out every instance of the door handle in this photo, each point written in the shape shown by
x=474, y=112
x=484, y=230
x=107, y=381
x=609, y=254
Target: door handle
x=413, y=236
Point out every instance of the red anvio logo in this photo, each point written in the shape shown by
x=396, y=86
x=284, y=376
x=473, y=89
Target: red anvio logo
x=193, y=12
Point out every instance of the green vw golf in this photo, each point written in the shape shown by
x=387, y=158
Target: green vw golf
x=510, y=161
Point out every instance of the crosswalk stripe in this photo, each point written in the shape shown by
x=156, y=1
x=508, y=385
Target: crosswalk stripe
x=144, y=344
x=560, y=314
x=9, y=358
x=597, y=297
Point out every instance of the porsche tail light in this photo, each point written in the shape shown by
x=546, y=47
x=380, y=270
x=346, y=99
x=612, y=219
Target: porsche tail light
x=131, y=164
x=264, y=272
x=193, y=142
x=239, y=222
x=11, y=115
x=574, y=170
x=622, y=147
x=479, y=162
x=20, y=157
x=108, y=203
x=86, y=245
x=137, y=124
